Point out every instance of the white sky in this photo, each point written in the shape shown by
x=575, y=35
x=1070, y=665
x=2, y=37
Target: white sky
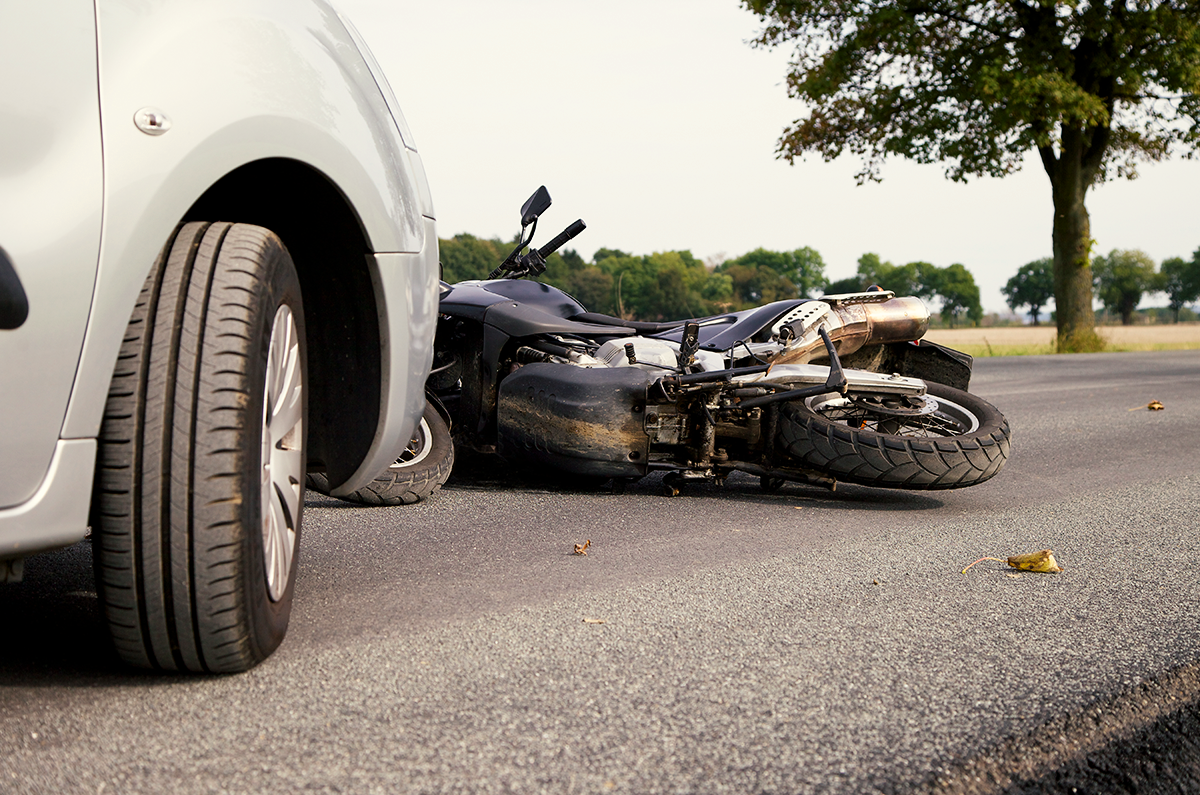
x=656, y=123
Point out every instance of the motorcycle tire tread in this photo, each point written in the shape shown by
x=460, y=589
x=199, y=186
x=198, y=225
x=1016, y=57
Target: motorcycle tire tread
x=890, y=461
x=403, y=485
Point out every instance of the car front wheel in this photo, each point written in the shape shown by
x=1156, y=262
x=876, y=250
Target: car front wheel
x=200, y=479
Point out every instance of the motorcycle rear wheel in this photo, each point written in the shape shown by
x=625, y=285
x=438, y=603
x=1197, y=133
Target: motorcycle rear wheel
x=417, y=473
x=953, y=440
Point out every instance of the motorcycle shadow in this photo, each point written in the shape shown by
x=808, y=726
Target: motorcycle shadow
x=481, y=472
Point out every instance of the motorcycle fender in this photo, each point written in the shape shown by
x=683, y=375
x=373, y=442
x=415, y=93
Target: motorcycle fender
x=932, y=362
x=925, y=360
x=585, y=421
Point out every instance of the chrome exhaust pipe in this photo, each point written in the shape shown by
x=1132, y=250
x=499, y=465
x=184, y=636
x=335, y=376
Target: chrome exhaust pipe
x=851, y=323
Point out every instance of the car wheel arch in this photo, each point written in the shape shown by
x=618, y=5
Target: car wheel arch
x=330, y=248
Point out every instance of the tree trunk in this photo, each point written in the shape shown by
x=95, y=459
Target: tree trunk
x=1127, y=312
x=1072, y=245
x=1072, y=267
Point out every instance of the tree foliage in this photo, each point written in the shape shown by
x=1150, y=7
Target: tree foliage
x=762, y=276
x=671, y=285
x=1092, y=87
x=1180, y=280
x=751, y=285
x=465, y=257
x=850, y=284
x=1123, y=277
x=1032, y=286
x=912, y=279
x=953, y=285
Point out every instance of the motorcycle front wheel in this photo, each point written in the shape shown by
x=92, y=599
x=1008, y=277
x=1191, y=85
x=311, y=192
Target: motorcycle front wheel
x=417, y=473
x=947, y=439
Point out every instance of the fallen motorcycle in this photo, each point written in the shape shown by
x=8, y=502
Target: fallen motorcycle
x=836, y=389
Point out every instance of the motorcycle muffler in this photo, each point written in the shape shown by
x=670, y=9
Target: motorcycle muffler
x=851, y=321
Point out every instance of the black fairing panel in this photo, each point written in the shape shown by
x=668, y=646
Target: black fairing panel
x=522, y=309
x=468, y=300
x=527, y=320
x=578, y=420
x=547, y=298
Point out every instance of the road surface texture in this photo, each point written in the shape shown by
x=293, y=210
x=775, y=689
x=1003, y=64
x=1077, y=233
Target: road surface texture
x=800, y=641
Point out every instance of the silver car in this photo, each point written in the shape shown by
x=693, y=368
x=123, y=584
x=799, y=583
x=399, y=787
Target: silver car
x=218, y=265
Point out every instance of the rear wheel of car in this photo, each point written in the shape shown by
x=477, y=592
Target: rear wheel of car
x=200, y=478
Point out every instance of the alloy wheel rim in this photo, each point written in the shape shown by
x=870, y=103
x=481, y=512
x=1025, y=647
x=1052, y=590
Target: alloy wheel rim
x=282, y=454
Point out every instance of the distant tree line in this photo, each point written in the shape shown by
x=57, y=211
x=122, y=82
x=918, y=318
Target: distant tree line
x=1121, y=279
x=674, y=284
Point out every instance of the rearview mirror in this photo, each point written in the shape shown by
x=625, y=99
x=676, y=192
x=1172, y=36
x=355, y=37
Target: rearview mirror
x=535, y=206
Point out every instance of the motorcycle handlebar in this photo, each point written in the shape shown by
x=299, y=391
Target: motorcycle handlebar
x=563, y=236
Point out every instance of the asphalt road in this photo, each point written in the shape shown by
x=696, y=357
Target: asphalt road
x=801, y=641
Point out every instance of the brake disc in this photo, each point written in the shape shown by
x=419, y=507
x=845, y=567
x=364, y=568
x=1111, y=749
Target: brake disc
x=896, y=405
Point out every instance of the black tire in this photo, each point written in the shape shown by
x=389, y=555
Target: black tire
x=419, y=471
x=964, y=441
x=190, y=445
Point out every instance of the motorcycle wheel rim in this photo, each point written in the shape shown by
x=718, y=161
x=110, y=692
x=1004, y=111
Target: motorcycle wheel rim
x=946, y=419
x=418, y=447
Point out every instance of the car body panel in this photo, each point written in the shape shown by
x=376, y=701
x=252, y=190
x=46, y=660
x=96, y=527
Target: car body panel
x=51, y=187
x=305, y=94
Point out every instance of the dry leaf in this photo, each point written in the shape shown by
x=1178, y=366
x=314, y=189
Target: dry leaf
x=581, y=549
x=1036, y=561
x=594, y=621
x=1153, y=405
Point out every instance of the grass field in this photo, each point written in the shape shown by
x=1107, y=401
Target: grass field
x=1034, y=340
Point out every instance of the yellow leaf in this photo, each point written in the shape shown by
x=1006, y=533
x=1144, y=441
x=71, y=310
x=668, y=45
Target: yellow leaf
x=1036, y=561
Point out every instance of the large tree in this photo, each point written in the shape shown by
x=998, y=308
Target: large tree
x=1092, y=86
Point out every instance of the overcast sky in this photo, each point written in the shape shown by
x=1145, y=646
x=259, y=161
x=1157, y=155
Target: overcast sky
x=655, y=122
